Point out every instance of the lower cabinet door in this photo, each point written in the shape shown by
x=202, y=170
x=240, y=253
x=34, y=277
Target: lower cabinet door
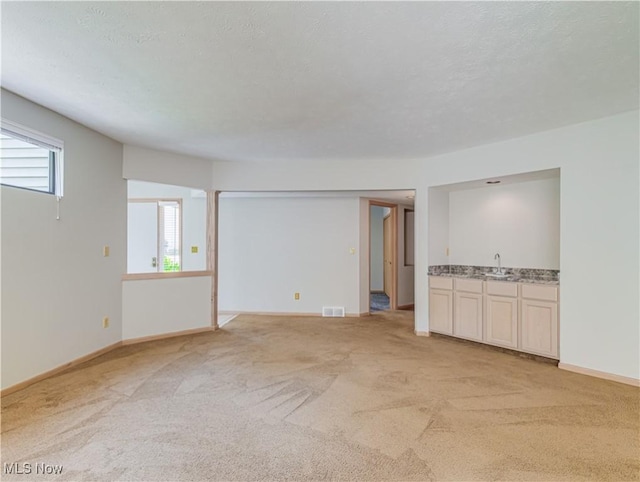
x=441, y=311
x=468, y=316
x=539, y=328
x=501, y=322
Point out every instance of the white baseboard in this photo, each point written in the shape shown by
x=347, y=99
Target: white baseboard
x=162, y=336
x=59, y=369
x=288, y=313
x=231, y=317
x=598, y=374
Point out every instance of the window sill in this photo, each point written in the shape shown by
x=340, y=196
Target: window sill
x=173, y=274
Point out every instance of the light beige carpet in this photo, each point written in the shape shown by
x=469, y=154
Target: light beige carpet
x=271, y=398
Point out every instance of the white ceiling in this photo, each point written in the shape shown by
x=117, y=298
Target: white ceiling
x=322, y=80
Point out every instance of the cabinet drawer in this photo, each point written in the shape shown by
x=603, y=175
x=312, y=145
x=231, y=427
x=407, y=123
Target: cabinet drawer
x=539, y=292
x=440, y=282
x=502, y=289
x=469, y=285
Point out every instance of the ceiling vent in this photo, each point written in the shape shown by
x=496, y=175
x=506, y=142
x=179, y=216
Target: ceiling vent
x=333, y=311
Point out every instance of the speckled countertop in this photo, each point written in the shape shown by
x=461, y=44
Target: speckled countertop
x=516, y=275
x=510, y=279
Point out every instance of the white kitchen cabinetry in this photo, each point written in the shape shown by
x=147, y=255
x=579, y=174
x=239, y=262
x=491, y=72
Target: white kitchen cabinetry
x=441, y=311
x=519, y=316
x=539, y=320
x=502, y=321
x=467, y=316
x=501, y=315
x=467, y=311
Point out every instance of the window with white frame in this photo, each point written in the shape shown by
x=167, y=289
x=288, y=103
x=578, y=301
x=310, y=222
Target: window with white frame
x=154, y=235
x=29, y=159
x=170, y=235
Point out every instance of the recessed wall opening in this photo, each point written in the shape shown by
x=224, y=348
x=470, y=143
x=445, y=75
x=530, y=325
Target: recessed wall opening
x=299, y=252
x=519, y=218
x=165, y=228
x=494, y=261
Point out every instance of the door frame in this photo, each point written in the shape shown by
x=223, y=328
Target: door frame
x=393, y=299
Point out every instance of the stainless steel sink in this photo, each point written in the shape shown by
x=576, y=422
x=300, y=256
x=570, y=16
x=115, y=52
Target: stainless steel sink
x=497, y=275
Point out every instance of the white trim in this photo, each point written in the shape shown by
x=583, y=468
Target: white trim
x=45, y=141
x=598, y=374
x=31, y=135
x=164, y=275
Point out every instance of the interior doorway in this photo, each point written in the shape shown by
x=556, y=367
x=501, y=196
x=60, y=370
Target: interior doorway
x=383, y=256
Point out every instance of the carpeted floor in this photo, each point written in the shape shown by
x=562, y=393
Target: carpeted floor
x=378, y=301
x=274, y=398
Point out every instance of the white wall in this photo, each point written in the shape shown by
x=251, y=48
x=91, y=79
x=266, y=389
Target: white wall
x=270, y=248
x=57, y=286
x=438, y=220
x=599, y=209
x=599, y=231
x=194, y=218
x=363, y=258
x=377, y=248
x=521, y=221
x=410, y=236
x=166, y=168
x=159, y=306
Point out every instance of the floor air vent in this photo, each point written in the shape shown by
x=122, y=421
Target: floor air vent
x=333, y=311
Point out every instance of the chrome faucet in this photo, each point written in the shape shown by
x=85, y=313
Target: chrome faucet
x=497, y=256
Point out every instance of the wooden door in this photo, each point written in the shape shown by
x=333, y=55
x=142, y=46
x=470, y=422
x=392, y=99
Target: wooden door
x=468, y=316
x=502, y=321
x=388, y=255
x=441, y=311
x=539, y=322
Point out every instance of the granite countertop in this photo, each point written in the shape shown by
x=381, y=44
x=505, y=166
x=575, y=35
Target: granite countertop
x=510, y=279
x=516, y=275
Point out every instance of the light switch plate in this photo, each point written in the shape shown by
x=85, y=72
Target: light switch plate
x=105, y=251
x=194, y=249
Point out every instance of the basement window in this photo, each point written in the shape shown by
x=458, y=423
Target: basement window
x=30, y=160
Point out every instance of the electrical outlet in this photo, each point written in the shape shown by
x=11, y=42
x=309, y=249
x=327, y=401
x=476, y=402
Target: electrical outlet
x=296, y=296
x=105, y=251
x=447, y=251
x=105, y=322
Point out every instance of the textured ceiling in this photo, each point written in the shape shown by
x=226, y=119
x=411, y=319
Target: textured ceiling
x=311, y=81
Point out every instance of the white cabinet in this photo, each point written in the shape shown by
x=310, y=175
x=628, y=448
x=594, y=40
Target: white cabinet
x=441, y=311
x=539, y=325
x=520, y=316
x=440, y=282
x=501, y=322
x=467, y=315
